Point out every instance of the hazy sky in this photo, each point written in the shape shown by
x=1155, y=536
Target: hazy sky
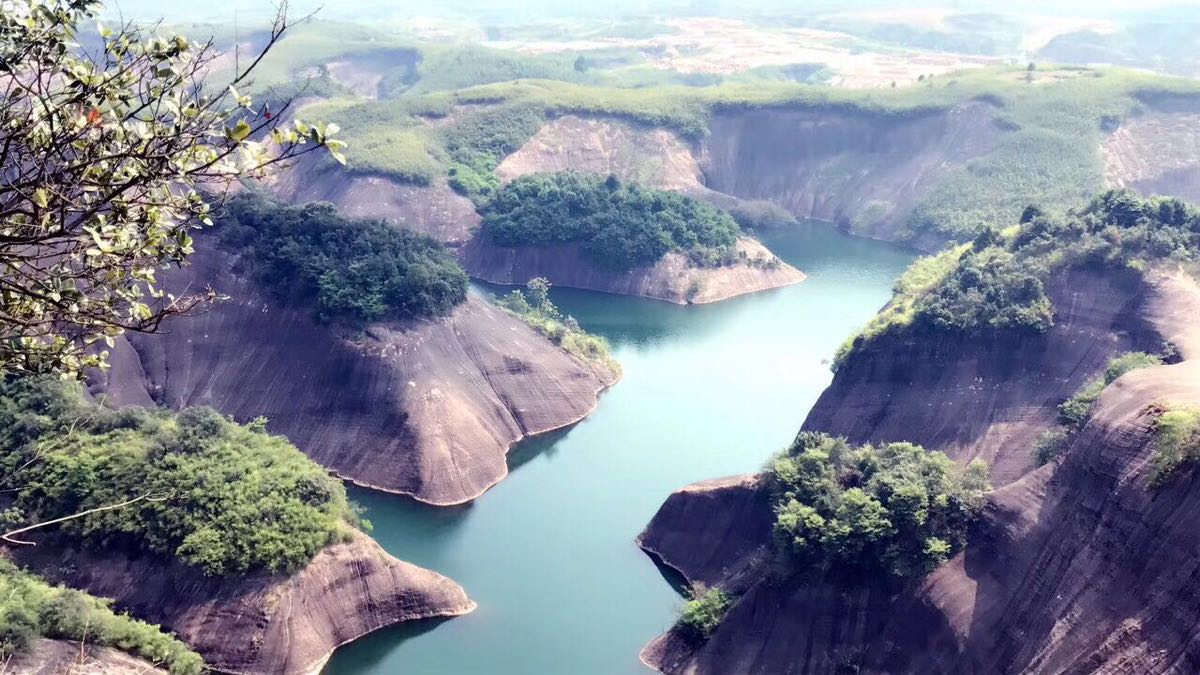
x=222, y=10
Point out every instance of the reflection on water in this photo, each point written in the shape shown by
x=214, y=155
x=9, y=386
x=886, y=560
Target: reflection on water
x=548, y=554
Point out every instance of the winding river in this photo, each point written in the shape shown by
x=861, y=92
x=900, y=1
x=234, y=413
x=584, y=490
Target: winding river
x=549, y=553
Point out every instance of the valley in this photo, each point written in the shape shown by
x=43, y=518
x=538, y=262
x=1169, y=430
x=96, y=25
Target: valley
x=508, y=339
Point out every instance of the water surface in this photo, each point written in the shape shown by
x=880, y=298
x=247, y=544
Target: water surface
x=548, y=554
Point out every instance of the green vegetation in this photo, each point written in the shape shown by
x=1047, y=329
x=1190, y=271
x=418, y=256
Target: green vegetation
x=892, y=509
x=534, y=307
x=33, y=608
x=1051, y=444
x=998, y=281
x=703, y=613
x=989, y=289
x=1074, y=411
x=226, y=498
x=620, y=226
x=478, y=140
x=908, y=293
x=1178, y=443
x=351, y=271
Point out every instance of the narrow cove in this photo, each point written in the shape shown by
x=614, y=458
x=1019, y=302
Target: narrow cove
x=549, y=553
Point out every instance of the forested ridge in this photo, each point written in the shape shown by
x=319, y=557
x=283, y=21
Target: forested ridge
x=618, y=225
x=346, y=270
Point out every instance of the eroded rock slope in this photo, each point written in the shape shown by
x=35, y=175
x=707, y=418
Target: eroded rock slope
x=428, y=409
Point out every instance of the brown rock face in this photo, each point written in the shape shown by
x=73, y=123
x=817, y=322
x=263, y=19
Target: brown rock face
x=434, y=210
x=654, y=157
x=428, y=409
x=264, y=623
x=673, y=278
x=1079, y=566
x=987, y=396
x=712, y=531
x=856, y=168
x=55, y=657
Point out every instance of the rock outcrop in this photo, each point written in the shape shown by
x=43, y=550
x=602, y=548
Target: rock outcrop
x=427, y=409
x=56, y=657
x=268, y=624
x=1079, y=566
x=673, y=278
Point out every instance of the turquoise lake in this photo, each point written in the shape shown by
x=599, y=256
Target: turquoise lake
x=549, y=553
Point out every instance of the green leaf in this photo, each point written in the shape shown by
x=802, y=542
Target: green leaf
x=41, y=198
x=240, y=132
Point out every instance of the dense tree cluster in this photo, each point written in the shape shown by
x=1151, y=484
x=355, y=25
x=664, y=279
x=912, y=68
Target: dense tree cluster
x=989, y=288
x=619, y=225
x=477, y=141
x=894, y=509
x=349, y=270
x=223, y=497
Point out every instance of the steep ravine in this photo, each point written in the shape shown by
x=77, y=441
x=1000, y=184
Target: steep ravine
x=428, y=409
x=261, y=624
x=1078, y=566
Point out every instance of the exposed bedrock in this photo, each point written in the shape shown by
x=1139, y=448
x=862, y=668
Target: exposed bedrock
x=1079, y=566
x=268, y=624
x=674, y=278
x=428, y=409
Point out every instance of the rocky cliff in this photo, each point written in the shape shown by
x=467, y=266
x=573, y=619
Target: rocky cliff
x=859, y=169
x=673, y=278
x=863, y=170
x=428, y=409
x=262, y=623
x=1079, y=566
x=987, y=396
x=654, y=157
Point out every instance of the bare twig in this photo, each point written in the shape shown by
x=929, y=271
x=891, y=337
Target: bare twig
x=9, y=537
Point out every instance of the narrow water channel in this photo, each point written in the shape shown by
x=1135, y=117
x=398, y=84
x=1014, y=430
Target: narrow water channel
x=549, y=553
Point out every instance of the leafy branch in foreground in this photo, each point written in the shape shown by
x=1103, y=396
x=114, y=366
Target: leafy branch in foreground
x=103, y=153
